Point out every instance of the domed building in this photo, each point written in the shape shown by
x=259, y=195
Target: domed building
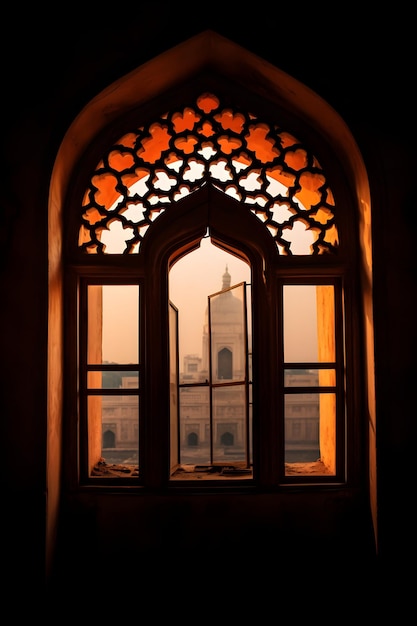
x=216, y=409
x=214, y=391
x=225, y=326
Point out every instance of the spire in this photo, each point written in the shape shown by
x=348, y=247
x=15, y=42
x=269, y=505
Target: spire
x=226, y=279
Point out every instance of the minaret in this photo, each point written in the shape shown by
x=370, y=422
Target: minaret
x=226, y=279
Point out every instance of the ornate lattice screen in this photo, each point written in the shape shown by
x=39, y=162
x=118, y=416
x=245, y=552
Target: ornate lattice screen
x=264, y=167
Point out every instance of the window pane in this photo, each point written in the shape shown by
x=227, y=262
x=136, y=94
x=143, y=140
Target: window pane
x=173, y=385
x=113, y=380
x=230, y=429
x=113, y=327
x=309, y=323
x=220, y=342
x=302, y=416
x=228, y=334
x=310, y=378
x=310, y=426
x=118, y=417
x=195, y=425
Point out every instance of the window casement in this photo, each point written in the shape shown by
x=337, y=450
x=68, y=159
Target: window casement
x=272, y=400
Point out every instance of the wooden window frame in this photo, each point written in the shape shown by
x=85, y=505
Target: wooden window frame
x=174, y=235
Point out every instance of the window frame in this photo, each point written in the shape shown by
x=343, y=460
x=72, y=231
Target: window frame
x=212, y=384
x=86, y=392
x=334, y=279
x=271, y=270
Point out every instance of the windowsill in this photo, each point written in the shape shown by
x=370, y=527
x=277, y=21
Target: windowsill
x=212, y=472
x=111, y=470
x=209, y=472
x=222, y=472
x=315, y=468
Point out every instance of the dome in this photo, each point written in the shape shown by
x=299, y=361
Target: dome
x=225, y=307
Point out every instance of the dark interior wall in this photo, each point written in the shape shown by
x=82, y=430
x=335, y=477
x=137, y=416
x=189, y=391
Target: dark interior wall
x=211, y=534
x=360, y=70
x=392, y=162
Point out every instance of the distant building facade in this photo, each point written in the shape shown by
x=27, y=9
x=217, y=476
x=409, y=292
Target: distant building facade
x=120, y=425
x=217, y=427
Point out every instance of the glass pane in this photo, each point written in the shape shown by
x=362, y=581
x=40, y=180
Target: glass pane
x=113, y=324
x=197, y=436
x=310, y=433
x=310, y=378
x=205, y=270
x=229, y=424
x=118, y=419
x=195, y=425
x=173, y=385
x=113, y=380
x=228, y=334
x=309, y=323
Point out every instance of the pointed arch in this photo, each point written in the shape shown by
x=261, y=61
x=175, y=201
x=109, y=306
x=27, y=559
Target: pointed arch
x=178, y=66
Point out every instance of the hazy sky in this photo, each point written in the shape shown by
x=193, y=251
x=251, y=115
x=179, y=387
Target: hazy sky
x=200, y=273
x=191, y=281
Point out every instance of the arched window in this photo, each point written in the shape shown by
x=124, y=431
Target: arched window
x=225, y=364
x=192, y=439
x=259, y=182
x=227, y=439
x=109, y=439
